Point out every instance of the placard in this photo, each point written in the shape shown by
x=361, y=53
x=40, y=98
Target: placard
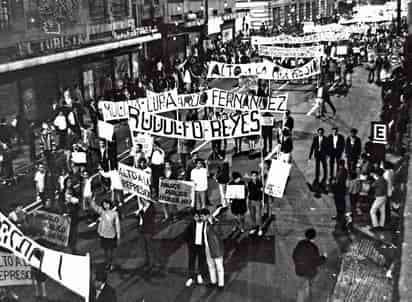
x=176, y=191
x=238, y=125
x=264, y=70
x=59, y=266
x=135, y=181
x=79, y=157
x=145, y=140
x=235, y=192
x=379, y=133
x=268, y=121
x=341, y=50
x=277, y=178
x=14, y=271
x=105, y=130
x=51, y=227
x=114, y=110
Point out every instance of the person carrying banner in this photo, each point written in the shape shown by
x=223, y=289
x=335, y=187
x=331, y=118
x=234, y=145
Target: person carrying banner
x=108, y=229
x=193, y=236
x=239, y=205
x=214, y=250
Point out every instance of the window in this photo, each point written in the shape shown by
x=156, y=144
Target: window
x=119, y=8
x=4, y=15
x=98, y=9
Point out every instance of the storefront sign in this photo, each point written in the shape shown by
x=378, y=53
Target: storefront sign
x=52, y=227
x=95, y=29
x=39, y=47
x=14, y=271
x=135, y=181
x=176, y=191
x=238, y=125
x=136, y=32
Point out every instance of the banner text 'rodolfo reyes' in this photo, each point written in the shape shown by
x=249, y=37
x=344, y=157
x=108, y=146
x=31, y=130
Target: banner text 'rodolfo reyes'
x=237, y=125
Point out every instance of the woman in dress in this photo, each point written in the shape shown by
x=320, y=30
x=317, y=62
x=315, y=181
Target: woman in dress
x=108, y=229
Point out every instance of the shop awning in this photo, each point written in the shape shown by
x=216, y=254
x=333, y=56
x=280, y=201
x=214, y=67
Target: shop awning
x=71, y=54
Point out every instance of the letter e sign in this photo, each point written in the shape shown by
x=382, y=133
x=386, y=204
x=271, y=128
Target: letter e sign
x=379, y=132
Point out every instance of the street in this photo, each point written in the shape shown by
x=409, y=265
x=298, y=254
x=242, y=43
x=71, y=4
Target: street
x=255, y=269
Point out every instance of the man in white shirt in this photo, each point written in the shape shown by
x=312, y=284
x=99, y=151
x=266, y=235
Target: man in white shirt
x=199, y=177
x=157, y=163
x=115, y=185
x=40, y=182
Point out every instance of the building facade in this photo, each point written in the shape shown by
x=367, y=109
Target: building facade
x=47, y=46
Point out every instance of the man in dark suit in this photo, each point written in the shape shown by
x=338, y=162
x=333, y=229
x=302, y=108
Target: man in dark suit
x=194, y=238
x=339, y=190
x=319, y=149
x=336, y=143
x=353, y=150
x=307, y=259
x=147, y=226
x=102, y=291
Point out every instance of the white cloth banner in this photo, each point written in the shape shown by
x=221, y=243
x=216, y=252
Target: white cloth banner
x=237, y=125
x=225, y=99
x=114, y=110
x=313, y=38
x=291, y=52
x=264, y=70
x=277, y=178
x=135, y=181
x=71, y=271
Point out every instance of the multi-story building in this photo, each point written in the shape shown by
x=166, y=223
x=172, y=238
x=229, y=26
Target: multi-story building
x=48, y=45
x=280, y=13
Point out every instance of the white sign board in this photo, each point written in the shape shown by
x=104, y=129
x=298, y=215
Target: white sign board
x=235, y=192
x=277, y=178
x=105, y=130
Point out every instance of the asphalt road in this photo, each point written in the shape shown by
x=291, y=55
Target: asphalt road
x=256, y=270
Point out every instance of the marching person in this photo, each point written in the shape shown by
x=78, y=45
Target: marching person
x=339, y=190
x=214, y=250
x=336, y=147
x=157, y=161
x=286, y=146
x=380, y=189
x=267, y=135
x=239, y=205
x=103, y=292
x=288, y=121
x=255, y=189
x=116, y=186
x=353, y=149
x=108, y=229
x=307, y=259
x=319, y=149
x=199, y=176
x=196, y=247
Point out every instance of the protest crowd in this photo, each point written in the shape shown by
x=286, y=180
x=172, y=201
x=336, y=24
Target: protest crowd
x=81, y=173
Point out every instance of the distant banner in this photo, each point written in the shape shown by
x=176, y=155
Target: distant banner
x=135, y=181
x=114, y=110
x=312, y=38
x=51, y=227
x=57, y=265
x=238, y=101
x=277, y=178
x=176, y=191
x=238, y=125
x=14, y=271
x=291, y=52
x=265, y=70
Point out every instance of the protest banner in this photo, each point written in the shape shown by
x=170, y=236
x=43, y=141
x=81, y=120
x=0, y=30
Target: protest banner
x=105, y=130
x=277, y=178
x=266, y=70
x=79, y=157
x=14, y=271
x=238, y=125
x=51, y=227
x=308, y=39
x=135, y=181
x=235, y=192
x=218, y=98
x=176, y=191
x=59, y=266
x=143, y=139
x=291, y=52
x=379, y=133
x=114, y=110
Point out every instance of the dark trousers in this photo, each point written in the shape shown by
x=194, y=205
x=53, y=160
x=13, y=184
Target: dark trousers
x=329, y=102
x=352, y=163
x=340, y=204
x=157, y=171
x=197, y=253
x=371, y=76
x=333, y=160
x=321, y=161
x=267, y=142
